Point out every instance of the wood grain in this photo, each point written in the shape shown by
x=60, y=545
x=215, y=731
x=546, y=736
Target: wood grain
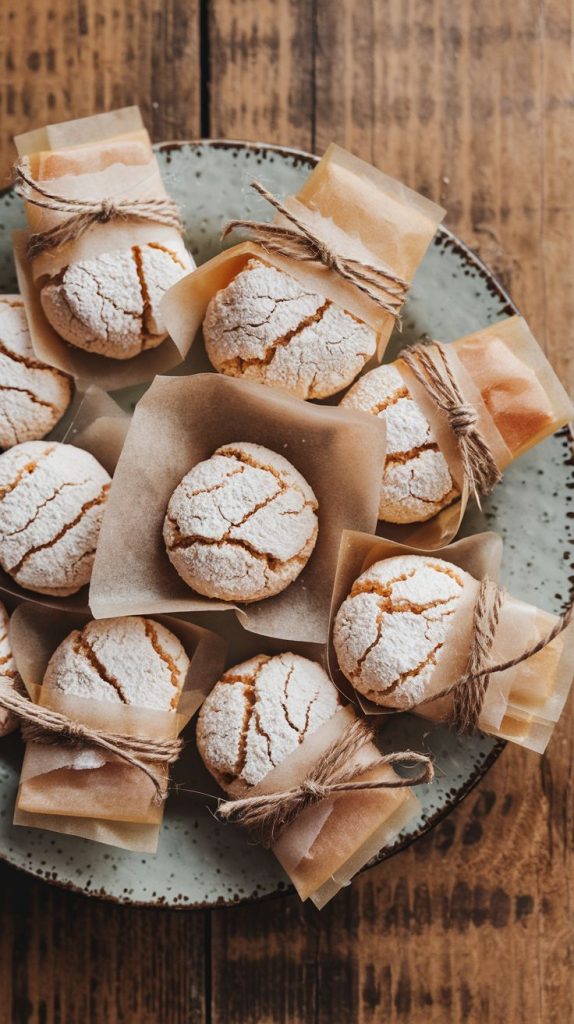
x=69, y=58
x=473, y=105
x=261, y=71
x=65, y=959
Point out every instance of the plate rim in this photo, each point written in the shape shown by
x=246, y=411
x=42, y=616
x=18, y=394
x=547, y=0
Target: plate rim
x=494, y=285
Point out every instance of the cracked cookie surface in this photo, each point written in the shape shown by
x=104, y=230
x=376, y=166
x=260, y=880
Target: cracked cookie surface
x=33, y=396
x=390, y=629
x=110, y=305
x=51, y=505
x=258, y=713
x=131, y=660
x=8, y=721
x=266, y=327
x=241, y=525
x=416, y=479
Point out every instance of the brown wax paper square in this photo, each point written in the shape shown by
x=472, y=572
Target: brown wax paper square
x=182, y=420
x=81, y=789
x=523, y=702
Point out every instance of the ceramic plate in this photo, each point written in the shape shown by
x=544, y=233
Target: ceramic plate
x=201, y=862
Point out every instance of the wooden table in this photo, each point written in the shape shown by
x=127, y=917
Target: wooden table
x=471, y=103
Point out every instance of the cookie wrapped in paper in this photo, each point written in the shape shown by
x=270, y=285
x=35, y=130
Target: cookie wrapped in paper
x=432, y=633
x=52, y=498
x=34, y=396
x=107, y=703
x=230, y=494
x=104, y=244
x=495, y=390
x=302, y=771
x=314, y=295
x=8, y=675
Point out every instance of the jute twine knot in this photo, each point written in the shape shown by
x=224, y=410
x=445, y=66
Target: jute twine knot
x=84, y=213
x=335, y=772
x=380, y=283
x=436, y=376
x=107, y=211
x=462, y=419
x=40, y=724
x=314, y=790
x=469, y=692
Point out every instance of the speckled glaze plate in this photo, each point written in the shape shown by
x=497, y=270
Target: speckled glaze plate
x=200, y=862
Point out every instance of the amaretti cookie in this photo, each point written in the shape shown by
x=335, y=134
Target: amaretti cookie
x=51, y=505
x=267, y=327
x=130, y=660
x=241, y=525
x=258, y=713
x=392, y=626
x=416, y=479
x=33, y=396
x=8, y=721
x=109, y=305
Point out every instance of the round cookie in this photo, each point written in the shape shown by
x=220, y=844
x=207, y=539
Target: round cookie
x=8, y=721
x=129, y=660
x=241, y=525
x=51, y=505
x=33, y=396
x=416, y=479
x=266, y=327
x=110, y=305
x=258, y=713
x=390, y=629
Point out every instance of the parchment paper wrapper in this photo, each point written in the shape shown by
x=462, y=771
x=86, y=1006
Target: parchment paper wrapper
x=82, y=790
x=504, y=374
x=358, y=211
x=104, y=156
x=97, y=424
x=182, y=420
x=328, y=843
x=523, y=703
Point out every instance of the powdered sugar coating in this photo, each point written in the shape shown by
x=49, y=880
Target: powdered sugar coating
x=33, y=396
x=51, y=505
x=266, y=327
x=8, y=721
x=110, y=304
x=389, y=630
x=241, y=525
x=416, y=479
x=131, y=660
x=258, y=713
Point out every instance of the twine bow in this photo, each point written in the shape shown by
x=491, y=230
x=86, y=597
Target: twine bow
x=83, y=214
x=470, y=690
x=42, y=725
x=335, y=772
x=387, y=289
x=478, y=463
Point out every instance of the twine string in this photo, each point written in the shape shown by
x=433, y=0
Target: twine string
x=436, y=376
x=336, y=771
x=470, y=689
x=43, y=725
x=379, y=282
x=83, y=214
